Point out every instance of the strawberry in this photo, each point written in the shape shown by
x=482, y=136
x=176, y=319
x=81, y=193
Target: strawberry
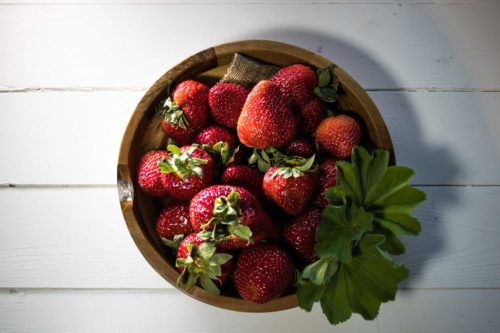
x=186, y=111
x=226, y=102
x=300, y=233
x=186, y=171
x=338, y=136
x=266, y=120
x=263, y=273
x=228, y=215
x=327, y=178
x=200, y=262
x=173, y=221
x=246, y=177
x=149, y=175
x=296, y=83
x=291, y=187
x=212, y=134
x=310, y=115
x=300, y=148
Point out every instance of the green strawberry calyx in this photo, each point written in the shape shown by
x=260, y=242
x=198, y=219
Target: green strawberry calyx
x=226, y=220
x=295, y=167
x=327, y=85
x=172, y=112
x=221, y=153
x=202, y=264
x=182, y=163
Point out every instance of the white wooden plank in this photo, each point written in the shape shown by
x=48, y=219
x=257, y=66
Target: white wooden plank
x=76, y=141
x=76, y=238
x=422, y=311
x=148, y=311
x=385, y=46
x=69, y=237
x=448, y=138
x=442, y=311
x=63, y=138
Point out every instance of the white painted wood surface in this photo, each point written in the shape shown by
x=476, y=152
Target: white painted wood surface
x=146, y=311
x=384, y=46
x=79, y=155
x=76, y=238
x=71, y=73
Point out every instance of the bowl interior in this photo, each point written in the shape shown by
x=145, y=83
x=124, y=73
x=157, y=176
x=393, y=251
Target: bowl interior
x=144, y=133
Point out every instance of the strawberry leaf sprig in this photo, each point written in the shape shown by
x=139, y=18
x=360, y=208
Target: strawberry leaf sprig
x=182, y=163
x=226, y=220
x=268, y=157
x=327, y=85
x=172, y=112
x=369, y=207
x=221, y=153
x=202, y=264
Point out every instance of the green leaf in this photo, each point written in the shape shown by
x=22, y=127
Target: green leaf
x=379, y=189
x=399, y=224
x=361, y=285
x=321, y=271
x=328, y=94
x=323, y=77
x=392, y=244
x=347, y=178
x=173, y=243
x=340, y=228
x=221, y=258
x=241, y=231
x=336, y=195
x=206, y=250
x=209, y=285
x=308, y=293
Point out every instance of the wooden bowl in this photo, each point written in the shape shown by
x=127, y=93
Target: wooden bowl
x=144, y=133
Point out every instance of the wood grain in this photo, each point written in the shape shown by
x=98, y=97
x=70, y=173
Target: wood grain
x=422, y=311
x=76, y=238
x=451, y=46
x=434, y=133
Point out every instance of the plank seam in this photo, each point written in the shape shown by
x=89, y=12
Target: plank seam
x=15, y=89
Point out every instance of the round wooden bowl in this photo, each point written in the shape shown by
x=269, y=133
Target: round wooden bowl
x=144, y=133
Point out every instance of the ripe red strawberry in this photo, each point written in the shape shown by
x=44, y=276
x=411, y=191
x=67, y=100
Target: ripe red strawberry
x=290, y=188
x=228, y=215
x=300, y=148
x=327, y=178
x=300, y=233
x=186, y=111
x=338, y=136
x=226, y=102
x=149, y=175
x=296, y=83
x=200, y=262
x=310, y=115
x=263, y=273
x=244, y=176
x=266, y=120
x=215, y=133
x=186, y=171
x=174, y=220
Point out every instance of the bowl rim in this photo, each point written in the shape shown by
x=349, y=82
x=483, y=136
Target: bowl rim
x=210, y=58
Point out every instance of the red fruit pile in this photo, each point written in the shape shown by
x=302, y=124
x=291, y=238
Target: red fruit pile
x=244, y=190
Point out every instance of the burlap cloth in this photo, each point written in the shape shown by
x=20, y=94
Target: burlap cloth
x=247, y=72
